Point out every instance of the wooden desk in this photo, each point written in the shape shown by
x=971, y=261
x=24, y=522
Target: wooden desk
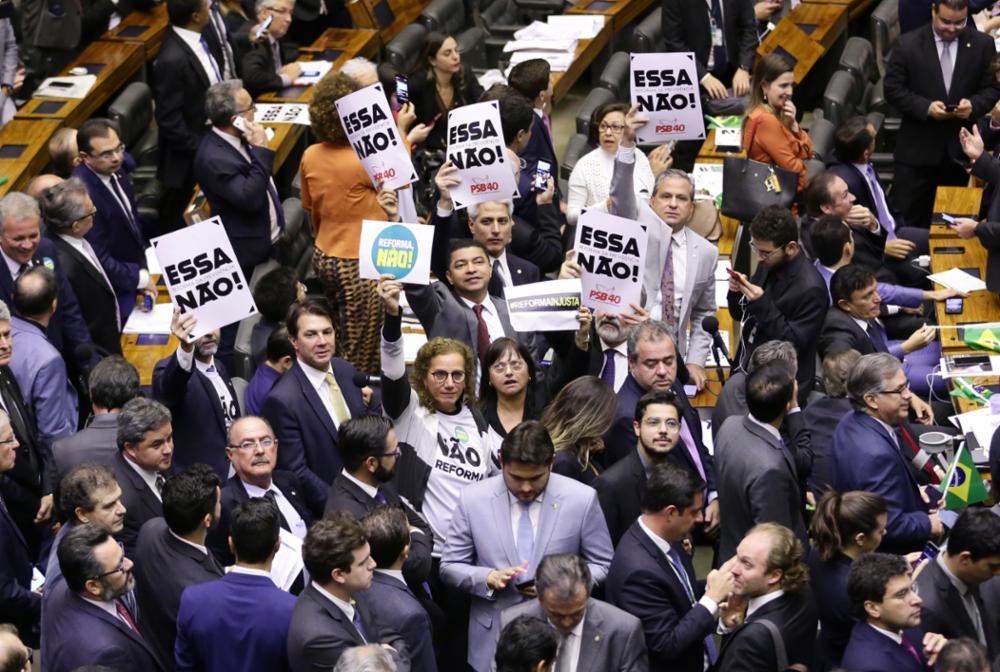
x=981, y=306
x=956, y=201
x=145, y=357
x=587, y=52
x=710, y=154
x=805, y=35
x=854, y=7
x=146, y=28
x=707, y=397
x=283, y=142
x=30, y=139
x=620, y=13
x=114, y=63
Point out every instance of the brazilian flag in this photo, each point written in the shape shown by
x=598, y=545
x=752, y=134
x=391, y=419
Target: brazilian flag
x=982, y=338
x=964, y=485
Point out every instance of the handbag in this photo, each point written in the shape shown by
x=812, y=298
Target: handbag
x=749, y=186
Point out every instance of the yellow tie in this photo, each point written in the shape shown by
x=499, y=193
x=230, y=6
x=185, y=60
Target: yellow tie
x=340, y=412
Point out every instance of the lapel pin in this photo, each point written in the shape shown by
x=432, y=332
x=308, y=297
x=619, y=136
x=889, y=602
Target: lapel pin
x=555, y=505
x=597, y=638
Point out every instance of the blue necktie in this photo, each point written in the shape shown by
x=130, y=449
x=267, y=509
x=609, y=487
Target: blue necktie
x=211, y=59
x=877, y=337
x=358, y=625
x=608, y=374
x=379, y=497
x=525, y=533
x=720, y=63
x=675, y=560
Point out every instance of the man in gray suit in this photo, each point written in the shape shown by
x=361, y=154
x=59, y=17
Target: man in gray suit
x=505, y=525
x=757, y=477
x=733, y=398
x=595, y=636
x=112, y=382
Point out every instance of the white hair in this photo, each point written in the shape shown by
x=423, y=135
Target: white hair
x=358, y=67
x=474, y=208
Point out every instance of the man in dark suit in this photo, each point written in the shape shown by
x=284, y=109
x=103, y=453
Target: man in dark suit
x=771, y=580
x=226, y=38
x=333, y=613
x=758, y=476
x=117, y=235
x=87, y=621
x=239, y=622
x=234, y=168
x=268, y=65
x=888, y=635
x=145, y=454
x=652, y=576
x=170, y=553
x=949, y=584
x=183, y=71
x=196, y=387
x=308, y=431
x=823, y=415
x=939, y=78
x=526, y=645
x=784, y=300
x=392, y=602
x=596, y=635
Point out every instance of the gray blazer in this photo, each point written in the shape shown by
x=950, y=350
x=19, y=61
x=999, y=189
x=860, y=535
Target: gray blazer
x=757, y=483
x=481, y=539
x=98, y=443
x=612, y=639
x=443, y=314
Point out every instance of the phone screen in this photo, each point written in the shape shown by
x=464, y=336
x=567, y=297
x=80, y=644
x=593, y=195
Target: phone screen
x=402, y=89
x=542, y=174
x=953, y=306
x=264, y=26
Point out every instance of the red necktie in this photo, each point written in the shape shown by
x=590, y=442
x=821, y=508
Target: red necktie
x=914, y=449
x=127, y=617
x=913, y=651
x=482, y=333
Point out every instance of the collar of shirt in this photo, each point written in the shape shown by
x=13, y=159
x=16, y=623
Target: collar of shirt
x=660, y=542
x=770, y=429
x=394, y=573
x=148, y=476
x=105, y=179
x=346, y=607
x=863, y=169
x=77, y=243
x=233, y=142
x=256, y=492
x=540, y=112
x=487, y=305
x=369, y=490
x=861, y=323
x=620, y=348
x=236, y=569
x=894, y=636
x=577, y=630
x=12, y=265
x=192, y=38
x=679, y=237
x=514, y=501
x=955, y=581
x=756, y=603
x=938, y=42
x=888, y=428
x=316, y=376
x=106, y=606
x=189, y=543
x=204, y=366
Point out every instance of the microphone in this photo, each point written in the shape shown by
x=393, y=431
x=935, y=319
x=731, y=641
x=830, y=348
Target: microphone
x=364, y=380
x=711, y=325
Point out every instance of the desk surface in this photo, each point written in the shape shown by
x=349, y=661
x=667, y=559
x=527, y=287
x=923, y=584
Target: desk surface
x=620, y=12
x=335, y=44
x=146, y=28
x=587, y=52
x=981, y=306
x=30, y=138
x=805, y=35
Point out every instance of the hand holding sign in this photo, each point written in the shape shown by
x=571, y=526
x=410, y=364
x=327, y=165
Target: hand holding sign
x=477, y=148
x=611, y=252
x=389, y=290
x=446, y=179
x=181, y=326
x=390, y=204
x=582, y=337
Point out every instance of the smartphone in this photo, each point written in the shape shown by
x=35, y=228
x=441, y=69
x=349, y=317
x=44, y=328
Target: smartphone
x=950, y=108
x=241, y=125
x=543, y=171
x=524, y=585
x=264, y=26
x=948, y=218
x=402, y=89
x=954, y=306
x=929, y=553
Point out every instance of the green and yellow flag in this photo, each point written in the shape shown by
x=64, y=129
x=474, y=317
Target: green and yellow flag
x=964, y=484
x=982, y=338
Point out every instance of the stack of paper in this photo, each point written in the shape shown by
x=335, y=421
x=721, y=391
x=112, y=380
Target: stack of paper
x=582, y=27
x=956, y=278
x=70, y=86
x=555, y=44
x=707, y=182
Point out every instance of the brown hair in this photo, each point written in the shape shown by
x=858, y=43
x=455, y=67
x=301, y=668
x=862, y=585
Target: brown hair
x=583, y=409
x=768, y=69
x=323, y=109
x=840, y=517
x=422, y=366
x=330, y=544
x=786, y=555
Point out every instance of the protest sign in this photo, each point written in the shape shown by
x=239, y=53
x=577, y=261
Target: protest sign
x=372, y=132
x=403, y=250
x=666, y=89
x=203, y=276
x=477, y=148
x=544, y=306
x=611, y=252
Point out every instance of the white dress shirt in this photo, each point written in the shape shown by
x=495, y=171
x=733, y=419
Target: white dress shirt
x=236, y=569
x=317, y=379
x=756, y=603
x=346, y=607
x=394, y=573
x=569, y=650
x=83, y=247
x=491, y=316
x=193, y=40
x=295, y=523
x=894, y=636
x=148, y=476
x=226, y=401
x=200, y=547
x=505, y=274
x=13, y=266
x=369, y=490
x=678, y=245
x=272, y=214
x=128, y=212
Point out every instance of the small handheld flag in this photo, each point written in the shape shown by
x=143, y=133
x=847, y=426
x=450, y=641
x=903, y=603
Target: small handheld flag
x=964, y=484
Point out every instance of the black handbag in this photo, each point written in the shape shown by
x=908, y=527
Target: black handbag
x=749, y=186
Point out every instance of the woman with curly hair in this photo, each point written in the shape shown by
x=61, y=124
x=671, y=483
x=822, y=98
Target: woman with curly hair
x=441, y=84
x=337, y=194
x=577, y=420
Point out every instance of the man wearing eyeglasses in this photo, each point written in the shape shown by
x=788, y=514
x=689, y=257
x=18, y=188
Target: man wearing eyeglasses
x=869, y=452
x=268, y=65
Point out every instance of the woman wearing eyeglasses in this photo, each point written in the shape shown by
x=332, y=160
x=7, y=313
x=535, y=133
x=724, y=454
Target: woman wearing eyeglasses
x=577, y=420
x=590, y=181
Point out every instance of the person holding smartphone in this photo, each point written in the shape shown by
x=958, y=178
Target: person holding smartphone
x=268, y=65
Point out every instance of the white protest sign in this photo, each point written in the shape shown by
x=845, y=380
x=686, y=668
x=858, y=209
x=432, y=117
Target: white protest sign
x=372, y=132
x=403, y=250
x=544, y=306
x=203, y=276
x=611, y=252
x=666, y=89
x=476, y=146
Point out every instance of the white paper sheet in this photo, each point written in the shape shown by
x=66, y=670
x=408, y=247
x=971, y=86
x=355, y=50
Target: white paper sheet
x=281, y=113
x=582, y=27
x=544, y=306
x=78, y=86
x=287, y=563
x=312, y=72
x=956, y=278
x=156, y=321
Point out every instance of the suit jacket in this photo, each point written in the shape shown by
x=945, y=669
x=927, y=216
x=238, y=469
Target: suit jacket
x=98, y=443
x=443, y=313
x=238, y=192
x=828, y=580
x=41, y=374
x=539, y=148
x=481, y=538
x=308, y=437
x=164, y=567
x=141, y=503
x=913, y=79
x=642, y=582
x=320, y=632
x=822, y=417
x=869, y=247
x=988, y=234
x=180, y=84
x=98, y=303
x=619, y=490
x=611, y=641
x=44, y=27
x=686, y=27
x=199, y=422
x=751, y=649
x=943, y=610
x=18, y=603
x=758, y=483
x=237, y=623
x=260, y=73
x=120, y=246
x=870, y=651
x=791, y=309
x=864, y=457
x=841, y=332
x=34, y=471
x=97, y=14
x=891, y=294
x=393, y=605
x=79, y=633
x=522, y=271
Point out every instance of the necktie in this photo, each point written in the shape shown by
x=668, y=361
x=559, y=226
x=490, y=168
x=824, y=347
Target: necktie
x=211, y=60
x=675, y=560
x=973, y=601
x=908, y=439
x=947, y=64
x=160, y=480
x=340, y=412
x=525, y=533
x=18, y=422
x=126, y=206
x=358, y=625
x=718, y=57
x=279, y=212
x=608, y=374
x=564, y=664
x=273, y=498
x=496, y=280
x=482, y=332
x=877, y=337
x=219, y=26
x=275, y=54
x=127, y=617
x=688, y=438
x=885, y=217
x=22, y=268
x=667, y=295
x=913, y=651
x=380, y=498
x=547, y=122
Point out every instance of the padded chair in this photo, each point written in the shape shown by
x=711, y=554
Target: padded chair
x=444, y=15
x=132, y=111
x=295, y=247
x=615, y=75
x=648, y=34
x=500, y=19
x=243, y=364
x=858, y=58
x=841, y=97
x=821, y=133
x=240, y=386
x=404, y=50
x=537, y=10
x=814, y=167
x=577, y=145
x=596, y=97
x=885, y=30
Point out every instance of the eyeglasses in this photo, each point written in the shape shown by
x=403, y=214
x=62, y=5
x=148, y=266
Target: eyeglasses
x=119, y=568
x=441, y=376
x=252, y=108
x=613, y=128
x=266, y=443
x=902, y=389
x=515, y=365
x=109, y=154
x=765, y=254
x=87, y=216
x=396, y=453
x=656, y=422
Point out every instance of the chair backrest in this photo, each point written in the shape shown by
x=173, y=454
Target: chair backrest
x=498, y=13
x=615, y=75
x=595, y=98
x=444, y=15
x=403, y=51
x=841, y=97
x=132, y=110
x=576, y=147
x=821, y=133
x=472, y=45
x=240, y=386
x=243, y=364
x=648, y=34
x=858, y=58
x=885, y=30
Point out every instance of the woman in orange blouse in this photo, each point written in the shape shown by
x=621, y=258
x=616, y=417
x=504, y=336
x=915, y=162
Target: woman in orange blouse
x=770, y=132
x=337, y=193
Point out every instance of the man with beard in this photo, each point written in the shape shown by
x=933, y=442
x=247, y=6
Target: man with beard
x=196, y=388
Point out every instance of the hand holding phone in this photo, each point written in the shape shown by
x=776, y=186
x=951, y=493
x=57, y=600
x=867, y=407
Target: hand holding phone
x=541, y=177
x=402, y=89
x=264, y=26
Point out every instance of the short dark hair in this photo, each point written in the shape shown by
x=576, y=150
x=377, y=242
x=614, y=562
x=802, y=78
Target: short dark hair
x=530, y=77
x=278, y=345
x=976, y=531
x=307, y=307
x=828, y=235
x=188, y=497
x=775, y=224
x=330, y=544
x=34, y=291
x=113, y=382
x=76, y=555
x=77, y=488
x=525, y=642
x=254, y=528
x=962, y=655
x=951, y=4
x=769, y=389
x=497, y=349
x=849, y=279
x=593, y=132
x=388, y=533
x=98, y=127
x=869, y=577
x=528, y=443
x=457, y=244
x=817, y=192
x=181, y=11
x=666, y=398
x=13, y=658
x=516, y=112
x=361, y=438
x=275, y=294
x=670, y=485
x=851, y=140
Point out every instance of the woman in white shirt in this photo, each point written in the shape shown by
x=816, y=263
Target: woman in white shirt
x=590, y=181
